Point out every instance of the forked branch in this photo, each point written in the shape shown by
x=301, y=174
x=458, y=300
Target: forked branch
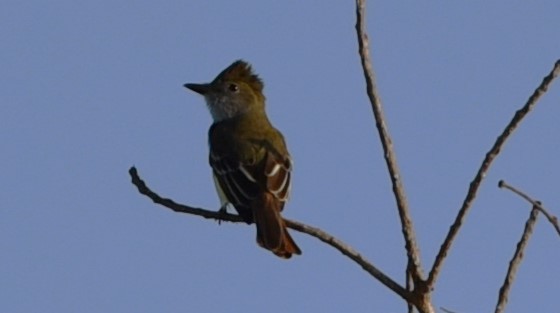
x=536, y=204
x=484, y=167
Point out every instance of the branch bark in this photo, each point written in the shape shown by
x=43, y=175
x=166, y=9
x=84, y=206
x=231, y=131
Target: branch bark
x=295, y=225
x=484, y=167
x=536, y=204
x=516, y=261
x=409, y=235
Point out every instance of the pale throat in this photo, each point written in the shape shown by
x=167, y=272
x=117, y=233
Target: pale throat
x=223, y=108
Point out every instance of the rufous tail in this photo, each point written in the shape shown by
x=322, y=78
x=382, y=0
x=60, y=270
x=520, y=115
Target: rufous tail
x=272, y=233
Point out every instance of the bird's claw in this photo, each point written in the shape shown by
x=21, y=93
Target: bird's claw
x=222, y=211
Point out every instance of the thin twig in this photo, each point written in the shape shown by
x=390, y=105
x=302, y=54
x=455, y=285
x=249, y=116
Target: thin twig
x=516, y=261
x=488, y=159
x=412, y=250
x=295, y=225
x=551, y=218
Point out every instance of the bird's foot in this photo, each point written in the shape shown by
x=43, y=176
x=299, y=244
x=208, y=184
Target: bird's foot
x=222, y=211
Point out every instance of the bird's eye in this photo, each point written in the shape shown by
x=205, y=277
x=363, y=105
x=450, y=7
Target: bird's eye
x=233, y=87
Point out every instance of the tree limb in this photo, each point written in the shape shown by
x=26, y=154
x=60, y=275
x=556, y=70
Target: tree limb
x=295, y=225
x=516, y=261
x=412, y=250
x=484, y=167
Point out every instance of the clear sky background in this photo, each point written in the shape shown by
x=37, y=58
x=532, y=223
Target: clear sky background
x=88, y=89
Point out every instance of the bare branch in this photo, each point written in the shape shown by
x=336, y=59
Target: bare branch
x=489, y=158
x=412, y=250
x=516, y=261
x=409, y=286
x=352, y=254
x=168, y=203
x=295, y=225
x=537, y=204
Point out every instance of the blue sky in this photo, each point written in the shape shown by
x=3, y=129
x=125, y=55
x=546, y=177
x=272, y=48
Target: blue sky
x=89, y=89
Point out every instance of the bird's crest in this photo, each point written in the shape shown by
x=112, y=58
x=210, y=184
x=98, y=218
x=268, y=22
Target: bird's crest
x=241, y=71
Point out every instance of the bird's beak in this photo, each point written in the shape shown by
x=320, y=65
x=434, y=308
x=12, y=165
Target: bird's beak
x=202, y=89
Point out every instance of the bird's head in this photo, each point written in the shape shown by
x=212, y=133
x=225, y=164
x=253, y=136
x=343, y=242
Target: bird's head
x=235, y=91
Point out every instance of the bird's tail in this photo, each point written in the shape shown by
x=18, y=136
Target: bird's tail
x=272, y=233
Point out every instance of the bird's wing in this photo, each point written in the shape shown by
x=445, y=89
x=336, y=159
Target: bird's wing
x=278, y=174
x=238, y=184
x=243, y=181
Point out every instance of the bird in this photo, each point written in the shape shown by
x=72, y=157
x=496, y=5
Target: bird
x=251, y=165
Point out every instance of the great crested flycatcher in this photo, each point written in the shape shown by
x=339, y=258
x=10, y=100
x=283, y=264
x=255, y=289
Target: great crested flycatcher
x=249, y=159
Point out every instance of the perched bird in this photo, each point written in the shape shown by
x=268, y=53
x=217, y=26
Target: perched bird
x=249, y=159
